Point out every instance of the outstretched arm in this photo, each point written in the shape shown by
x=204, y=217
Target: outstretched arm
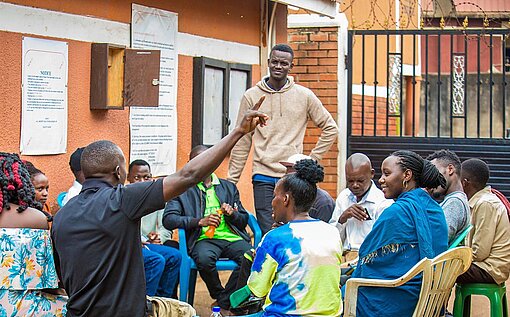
x=207, y=162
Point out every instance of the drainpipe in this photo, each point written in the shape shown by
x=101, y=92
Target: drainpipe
x=342, y=100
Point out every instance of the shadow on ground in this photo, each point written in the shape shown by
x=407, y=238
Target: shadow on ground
x=480, y=305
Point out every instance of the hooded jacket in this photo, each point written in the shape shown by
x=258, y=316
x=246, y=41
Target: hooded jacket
x=289, y=110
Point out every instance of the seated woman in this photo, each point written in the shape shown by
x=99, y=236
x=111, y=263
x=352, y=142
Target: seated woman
x=297, y=265
x=27, y=268
x=41, y=185
x=413, y=228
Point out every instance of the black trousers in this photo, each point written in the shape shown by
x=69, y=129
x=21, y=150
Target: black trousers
x=475, y=275
x=245, y=270
x=205, y=253
x=263, y=196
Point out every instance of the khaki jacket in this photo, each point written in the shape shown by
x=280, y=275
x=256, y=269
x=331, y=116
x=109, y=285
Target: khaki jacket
x=490, y=237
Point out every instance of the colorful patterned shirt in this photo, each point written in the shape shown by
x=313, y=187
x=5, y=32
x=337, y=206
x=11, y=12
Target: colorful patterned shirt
x=27, y=267
x=297, y=266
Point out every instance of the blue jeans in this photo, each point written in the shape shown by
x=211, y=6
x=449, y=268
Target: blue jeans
x=161, y=265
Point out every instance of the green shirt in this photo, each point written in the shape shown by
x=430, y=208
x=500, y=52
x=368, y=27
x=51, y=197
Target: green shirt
x=212, y=205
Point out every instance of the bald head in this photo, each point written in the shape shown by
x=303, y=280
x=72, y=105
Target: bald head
x=103, y=158
x=358, y=160
x=359, y=174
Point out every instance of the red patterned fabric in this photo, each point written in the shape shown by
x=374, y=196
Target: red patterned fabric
x=503, y=199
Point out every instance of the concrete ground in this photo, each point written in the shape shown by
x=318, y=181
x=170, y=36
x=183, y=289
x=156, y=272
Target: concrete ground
x=479, y=307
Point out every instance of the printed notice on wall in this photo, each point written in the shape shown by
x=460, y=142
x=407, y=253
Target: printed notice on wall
x=154, y=130
x=44, y=97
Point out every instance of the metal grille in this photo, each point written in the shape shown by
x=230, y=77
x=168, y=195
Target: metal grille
x=428, y=83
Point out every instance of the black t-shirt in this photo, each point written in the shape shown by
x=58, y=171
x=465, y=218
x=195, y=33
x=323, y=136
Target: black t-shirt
x=97, y=246
x=323, y=206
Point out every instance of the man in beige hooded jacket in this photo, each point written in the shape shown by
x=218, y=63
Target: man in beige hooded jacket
x=289, y=107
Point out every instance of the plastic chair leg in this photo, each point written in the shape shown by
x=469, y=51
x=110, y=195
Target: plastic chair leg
x=505, y=306
x=184, y=277
x=467, y=306
x=458, y=304
x=496, y=305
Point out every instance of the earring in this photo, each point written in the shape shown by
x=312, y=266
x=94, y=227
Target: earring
x=404, y=184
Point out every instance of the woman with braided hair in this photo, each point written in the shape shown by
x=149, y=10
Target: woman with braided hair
x=297, y=265
x=41, y=186
x=27, y=268
x=412, y=228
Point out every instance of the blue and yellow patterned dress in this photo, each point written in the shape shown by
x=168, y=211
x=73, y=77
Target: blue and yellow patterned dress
x=26, y=268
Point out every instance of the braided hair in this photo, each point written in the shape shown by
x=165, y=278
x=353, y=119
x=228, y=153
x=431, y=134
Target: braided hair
x=425, y=174
x=32, y=170
x=15, y=184
x=302, y=184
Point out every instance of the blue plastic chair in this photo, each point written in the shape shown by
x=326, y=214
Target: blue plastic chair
x=60, y=198
x=461, y=238
x=188, y=270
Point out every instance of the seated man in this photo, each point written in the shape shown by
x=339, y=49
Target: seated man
x=75, y=165
x=454, y=201
x=359, y=205
x=323, y=205
x=489, y=238
x=196, y=210
x=161, y=263
x=96, y=235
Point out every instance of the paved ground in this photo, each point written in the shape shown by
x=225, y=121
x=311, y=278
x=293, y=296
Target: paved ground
x=480, y=305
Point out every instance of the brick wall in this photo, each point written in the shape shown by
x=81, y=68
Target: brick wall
x=316, y=60
x=367, y=117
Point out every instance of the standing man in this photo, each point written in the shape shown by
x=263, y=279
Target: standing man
x=455, y=203
x=75, y=165
x=96, y=236
x=161, y=263
x=490, y=237
x=289, y=106
x=359, y=205
x=196, y=211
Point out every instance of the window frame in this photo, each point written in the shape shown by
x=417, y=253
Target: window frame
x=199, y=66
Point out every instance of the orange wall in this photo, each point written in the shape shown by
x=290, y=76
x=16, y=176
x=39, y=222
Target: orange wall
x=229, y=20
x=84, y=126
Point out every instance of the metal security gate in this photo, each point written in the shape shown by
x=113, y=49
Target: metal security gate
x=426, y=90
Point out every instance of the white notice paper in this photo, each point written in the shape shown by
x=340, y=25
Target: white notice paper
x=44, y=97
x=154, y=130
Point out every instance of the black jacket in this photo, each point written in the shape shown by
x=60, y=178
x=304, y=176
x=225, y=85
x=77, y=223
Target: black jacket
x=186, y=210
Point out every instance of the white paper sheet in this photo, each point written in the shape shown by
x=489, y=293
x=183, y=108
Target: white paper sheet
x=154, y=130
x=44, y=97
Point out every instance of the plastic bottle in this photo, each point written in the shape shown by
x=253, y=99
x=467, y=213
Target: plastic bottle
x=216, y=311
x=210, y=232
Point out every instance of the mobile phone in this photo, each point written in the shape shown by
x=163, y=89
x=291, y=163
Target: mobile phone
x=368, y=215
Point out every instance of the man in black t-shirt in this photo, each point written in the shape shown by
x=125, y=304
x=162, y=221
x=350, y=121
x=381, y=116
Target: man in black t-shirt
x=96, y=236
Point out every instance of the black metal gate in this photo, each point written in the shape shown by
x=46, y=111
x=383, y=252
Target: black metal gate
x=425, y=90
